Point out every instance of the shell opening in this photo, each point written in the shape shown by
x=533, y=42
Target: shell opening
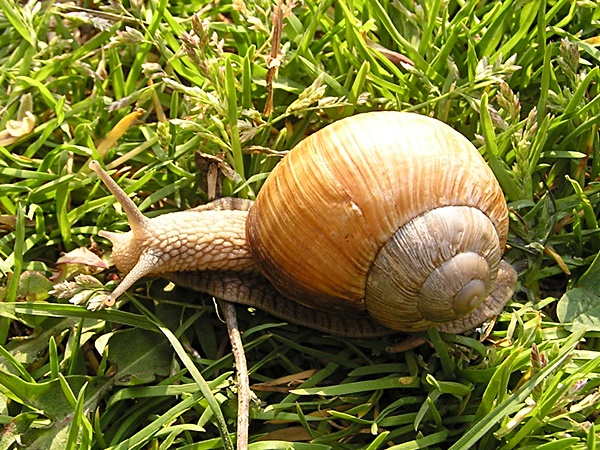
x=437, y=267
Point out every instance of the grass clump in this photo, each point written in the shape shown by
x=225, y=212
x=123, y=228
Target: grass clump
x=146, y=86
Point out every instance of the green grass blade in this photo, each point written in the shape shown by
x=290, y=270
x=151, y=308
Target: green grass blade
x=514, y=402
x=11, y=12
x=232, y=112
x=509, y=186
x=203, y=386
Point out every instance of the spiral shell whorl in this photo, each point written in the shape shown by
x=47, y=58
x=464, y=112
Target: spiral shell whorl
x=438, y=267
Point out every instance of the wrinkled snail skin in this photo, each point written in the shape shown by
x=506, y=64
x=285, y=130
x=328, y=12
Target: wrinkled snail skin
x=210, y=237
x=381, y=221
x=256, y=291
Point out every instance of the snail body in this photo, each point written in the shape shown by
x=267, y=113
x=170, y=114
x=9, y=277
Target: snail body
x=392, y=214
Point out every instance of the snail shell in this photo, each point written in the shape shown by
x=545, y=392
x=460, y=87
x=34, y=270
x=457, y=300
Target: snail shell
x=391, y=214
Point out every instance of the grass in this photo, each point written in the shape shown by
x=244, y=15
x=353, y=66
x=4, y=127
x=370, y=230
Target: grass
x=145, y=86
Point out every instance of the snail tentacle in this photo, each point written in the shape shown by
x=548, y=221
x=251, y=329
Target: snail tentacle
x=144, y=266
x=137, y=221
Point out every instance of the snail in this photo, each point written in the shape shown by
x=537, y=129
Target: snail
x=378, y=222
